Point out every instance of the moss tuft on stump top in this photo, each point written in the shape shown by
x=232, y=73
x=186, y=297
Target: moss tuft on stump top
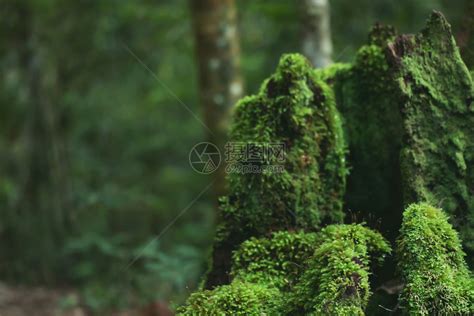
x=295, y=109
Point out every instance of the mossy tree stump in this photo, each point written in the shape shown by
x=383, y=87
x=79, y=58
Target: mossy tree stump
x=436, y=95
x=296, y=109
x=408, y=110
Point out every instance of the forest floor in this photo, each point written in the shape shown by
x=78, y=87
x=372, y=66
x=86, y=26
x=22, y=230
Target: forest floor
x=40, y=301
x=28, y=301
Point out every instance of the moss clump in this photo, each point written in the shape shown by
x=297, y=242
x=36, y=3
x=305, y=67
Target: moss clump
x=237, y=298
x=436, y=94
x=296, y=109
x=431, y=263
x=278, y=260
x=336, y=277
x=297, y=273
x=333, y=72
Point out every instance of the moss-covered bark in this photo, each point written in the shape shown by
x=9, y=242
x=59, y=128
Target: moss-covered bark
x=278, y=260
x=436, y=96
x=373, y=129
x=297, y=273
x=431, y=262
x=264, y=270
x=414, y=95
x=238, y=298
x=297, y=109
x=336, y=277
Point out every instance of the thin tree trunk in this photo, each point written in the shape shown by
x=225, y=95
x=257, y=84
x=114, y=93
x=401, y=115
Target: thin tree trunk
x=316, y=32
x=42, y=206
x=465, y=36
x=218, y=59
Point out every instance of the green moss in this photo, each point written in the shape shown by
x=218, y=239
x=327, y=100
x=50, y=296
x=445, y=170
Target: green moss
x=373, y=129
x=333, y=71
x=336, y=277
x=297, y=109
x=436, y=95
x=431, y=263
x=297, y=273
x=237, y=298
x=408, y=94
x=278, y=260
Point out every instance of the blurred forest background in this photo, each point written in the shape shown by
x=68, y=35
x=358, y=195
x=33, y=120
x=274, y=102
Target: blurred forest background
x=95, y=131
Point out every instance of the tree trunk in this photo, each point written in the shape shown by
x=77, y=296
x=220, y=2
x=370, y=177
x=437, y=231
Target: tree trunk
x=42, y=206
x=465, y=36
x=437, y=155
x=316, y=32
x=218, y=59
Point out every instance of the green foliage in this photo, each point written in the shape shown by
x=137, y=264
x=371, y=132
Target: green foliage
x=336, y=279
x=125, y=168
x=431, y=262
x=296, y=109
x=157, y=272
x=278, y=260
x=237, y=298
x=436, y=94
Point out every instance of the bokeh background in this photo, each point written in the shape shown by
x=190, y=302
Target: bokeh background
x=94, y=138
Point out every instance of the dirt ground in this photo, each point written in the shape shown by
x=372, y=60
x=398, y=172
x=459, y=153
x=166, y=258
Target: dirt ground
x=28, y=301
x=21, y=301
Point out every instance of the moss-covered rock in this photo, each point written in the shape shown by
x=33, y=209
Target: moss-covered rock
x=436, y=95
x=295, y=108
x=431, y=263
